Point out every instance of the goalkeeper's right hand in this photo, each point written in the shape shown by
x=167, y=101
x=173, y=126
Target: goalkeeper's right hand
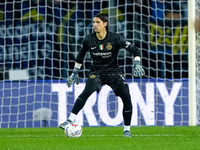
x=73, y=77
x=138, y=71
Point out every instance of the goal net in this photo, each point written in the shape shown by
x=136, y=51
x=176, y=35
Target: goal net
x=39, y=41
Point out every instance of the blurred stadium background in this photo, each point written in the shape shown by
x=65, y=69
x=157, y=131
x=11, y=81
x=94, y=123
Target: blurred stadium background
x=39, y=40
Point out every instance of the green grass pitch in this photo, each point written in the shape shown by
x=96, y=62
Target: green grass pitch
x=101, y=138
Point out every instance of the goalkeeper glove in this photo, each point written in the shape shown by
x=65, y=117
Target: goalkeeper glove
x=73, y=77
x=138, y=71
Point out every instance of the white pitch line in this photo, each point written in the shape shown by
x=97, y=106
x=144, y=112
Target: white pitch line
x=52, y=136
x=137, y=135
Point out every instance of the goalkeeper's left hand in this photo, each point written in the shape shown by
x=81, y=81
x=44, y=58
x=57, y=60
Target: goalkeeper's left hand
x=138, y=71
x=73, y=77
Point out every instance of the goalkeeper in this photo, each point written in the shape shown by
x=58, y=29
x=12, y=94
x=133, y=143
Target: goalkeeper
x=104, y=47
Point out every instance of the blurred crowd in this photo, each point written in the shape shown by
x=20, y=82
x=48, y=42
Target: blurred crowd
x=135, y=19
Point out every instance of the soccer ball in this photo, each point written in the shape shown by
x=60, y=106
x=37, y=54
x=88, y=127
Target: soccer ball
x=73, y=130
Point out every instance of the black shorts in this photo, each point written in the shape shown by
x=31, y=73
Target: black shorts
x=110, y=76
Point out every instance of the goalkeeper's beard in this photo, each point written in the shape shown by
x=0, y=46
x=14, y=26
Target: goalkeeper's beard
x=97, y=32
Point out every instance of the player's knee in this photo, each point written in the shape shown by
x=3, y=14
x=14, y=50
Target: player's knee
x=79, y=104
x=128, y=108
x=83, y=96
x=126, y=99
x=81, y=100
x=125, y=96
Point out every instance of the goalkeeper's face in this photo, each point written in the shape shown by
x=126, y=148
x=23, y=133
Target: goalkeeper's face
x=99, y=25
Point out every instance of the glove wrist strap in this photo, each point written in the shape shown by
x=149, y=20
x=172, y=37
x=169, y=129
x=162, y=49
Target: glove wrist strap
x=76, y=71
x=137, y=62
x=137, y=58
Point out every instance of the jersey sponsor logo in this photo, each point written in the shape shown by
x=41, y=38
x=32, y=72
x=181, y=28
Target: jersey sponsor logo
x=127, y=44
x=109, y=46
x=101, y=47
x=103, y=55
x=92, y=76
x=93, y=47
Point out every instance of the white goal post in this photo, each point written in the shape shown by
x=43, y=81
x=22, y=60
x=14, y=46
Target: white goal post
x=39, y=40
x=192, y=63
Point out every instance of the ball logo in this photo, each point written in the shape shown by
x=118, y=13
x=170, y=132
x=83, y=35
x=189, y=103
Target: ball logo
x=74, y=125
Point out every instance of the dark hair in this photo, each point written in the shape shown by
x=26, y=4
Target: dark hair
x=104, y=18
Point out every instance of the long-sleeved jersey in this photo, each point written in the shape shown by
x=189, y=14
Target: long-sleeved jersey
x=104, y=52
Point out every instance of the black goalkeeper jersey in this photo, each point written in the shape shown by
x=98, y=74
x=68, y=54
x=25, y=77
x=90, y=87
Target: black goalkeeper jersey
x=104, y=52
